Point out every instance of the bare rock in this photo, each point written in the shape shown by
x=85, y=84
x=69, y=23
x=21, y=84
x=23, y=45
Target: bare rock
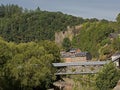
x=117, y=87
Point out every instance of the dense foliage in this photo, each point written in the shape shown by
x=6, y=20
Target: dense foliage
x=22, y=25
x=19, y=25
x=66, y=44
x=27, y=65
x=95, y=38
x=108, y=77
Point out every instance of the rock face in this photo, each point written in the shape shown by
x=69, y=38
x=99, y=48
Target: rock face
x=69, y=33
x=117, y=86
x=66, y=84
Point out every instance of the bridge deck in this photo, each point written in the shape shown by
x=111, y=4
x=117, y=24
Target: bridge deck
x=80, y=63
x=75, y=73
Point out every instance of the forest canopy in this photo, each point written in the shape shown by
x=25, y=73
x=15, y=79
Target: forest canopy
x=27, y=47
x=27, y=65
x=22, y=25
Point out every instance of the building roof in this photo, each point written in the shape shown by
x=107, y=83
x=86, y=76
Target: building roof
x=80, y=63
x=72, y=50
x=81, y=54
x=65, y=56
x=113, y=35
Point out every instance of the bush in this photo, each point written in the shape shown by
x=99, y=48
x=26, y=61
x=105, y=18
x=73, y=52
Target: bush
x=108, y=76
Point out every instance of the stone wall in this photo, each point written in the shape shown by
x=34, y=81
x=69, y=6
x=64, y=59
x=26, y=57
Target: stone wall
x=75, y=59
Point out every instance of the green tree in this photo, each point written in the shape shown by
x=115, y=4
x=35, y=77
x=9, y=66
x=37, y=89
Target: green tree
x=19, y=25
x=116, y=44
x=93, y=36
x=66, y=44
x=108, y=77
x=31, y=66
x=5, y=53
x=27, y=65
x=53, y=49
x=118, y=18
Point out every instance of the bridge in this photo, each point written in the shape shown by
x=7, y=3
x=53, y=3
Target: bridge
x=91, y=67
x=78, y=67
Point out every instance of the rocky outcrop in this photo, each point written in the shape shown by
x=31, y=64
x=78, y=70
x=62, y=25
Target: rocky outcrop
x=66, y=84
x=69, y=33
x=117, y=86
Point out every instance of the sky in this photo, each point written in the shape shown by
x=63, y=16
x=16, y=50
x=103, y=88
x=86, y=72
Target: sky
x=100, y=9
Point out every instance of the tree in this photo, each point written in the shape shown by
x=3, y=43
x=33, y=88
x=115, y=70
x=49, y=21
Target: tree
x=5, y=53
x=118, y=18
x=116, y=44
x=31, y=66
x=108, y=77
x=53, y=49
x=27, y=65
x=20, y=25
x=66, y=44
x=92, y=37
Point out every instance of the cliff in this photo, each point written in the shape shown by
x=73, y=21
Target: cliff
x=69, y=33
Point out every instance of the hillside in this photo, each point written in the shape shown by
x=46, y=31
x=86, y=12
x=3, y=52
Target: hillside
x=21, y=25
x=101, y=38
x=29, y=41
